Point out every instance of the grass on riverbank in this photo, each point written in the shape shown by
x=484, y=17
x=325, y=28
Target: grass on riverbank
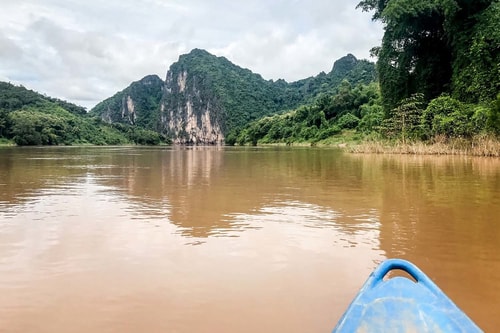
x=355, y=142
x=481, y=145
x=6, y=142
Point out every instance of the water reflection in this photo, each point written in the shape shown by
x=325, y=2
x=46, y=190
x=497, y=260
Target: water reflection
x=442, y=213
x=189, y=238
x=196, y=188
x=201, y=189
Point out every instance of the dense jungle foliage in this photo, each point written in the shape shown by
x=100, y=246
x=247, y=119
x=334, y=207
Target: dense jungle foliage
x=29, y=118
x=246, y=96
x=439, y=77
x=146, y=95
x=236, y=95
x=329, y=115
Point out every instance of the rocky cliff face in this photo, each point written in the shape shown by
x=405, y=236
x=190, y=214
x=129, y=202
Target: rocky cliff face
x=205, y=97
x=127, y=112
x=188, y=113
x=135, y=105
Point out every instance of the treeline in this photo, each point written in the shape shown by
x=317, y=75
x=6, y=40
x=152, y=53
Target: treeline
x=435, y=47
x=439, y=66
x=238, y=96
x=28, y=118
x=360, y=110
x=438, y=79
x=350, y=108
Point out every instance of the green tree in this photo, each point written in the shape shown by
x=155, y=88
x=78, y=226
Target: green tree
x=475, y=37
x=25, y=128
x=371, y=118
x=3, y=122
x=405, y=119
x=342, y=102
x=493, y=122
x=447, y=116
x=348, y=121
x=414, y=56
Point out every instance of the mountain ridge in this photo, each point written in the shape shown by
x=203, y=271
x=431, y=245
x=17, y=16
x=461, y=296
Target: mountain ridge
x=204, y=96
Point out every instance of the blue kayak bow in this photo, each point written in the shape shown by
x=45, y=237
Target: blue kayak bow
x=400, y=304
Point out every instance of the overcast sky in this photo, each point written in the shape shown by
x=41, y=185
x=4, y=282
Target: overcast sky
x=84, y=51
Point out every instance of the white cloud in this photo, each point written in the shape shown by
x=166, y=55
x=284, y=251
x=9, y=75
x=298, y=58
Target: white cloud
x=86, y=51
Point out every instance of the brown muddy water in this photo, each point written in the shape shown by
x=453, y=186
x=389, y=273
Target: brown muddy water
x=193, y=239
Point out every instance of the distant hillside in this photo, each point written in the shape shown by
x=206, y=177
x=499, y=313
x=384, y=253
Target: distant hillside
x=14, y=97
x=204, y=97
x=138, y=104
x=346, y=68
x=202, y=100
x=29, y=118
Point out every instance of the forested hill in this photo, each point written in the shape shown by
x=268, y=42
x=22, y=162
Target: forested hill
x=29, y=118
x=438, y=84
x=205, y=97
x=14, y=97
x=346, y=68
x=138, y=104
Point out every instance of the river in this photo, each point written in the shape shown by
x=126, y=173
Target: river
x=225, y=239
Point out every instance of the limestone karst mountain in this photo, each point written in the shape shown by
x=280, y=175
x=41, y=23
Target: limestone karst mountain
x=204, y=97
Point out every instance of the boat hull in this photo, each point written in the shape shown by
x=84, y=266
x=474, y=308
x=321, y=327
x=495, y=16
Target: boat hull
x=400, y=304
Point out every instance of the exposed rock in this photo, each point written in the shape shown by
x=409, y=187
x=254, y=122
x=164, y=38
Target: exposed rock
x=134, y=105
x=186, y=117
x=205, y=97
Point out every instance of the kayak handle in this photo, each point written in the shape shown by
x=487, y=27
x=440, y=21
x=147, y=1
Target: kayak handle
x=391, y=264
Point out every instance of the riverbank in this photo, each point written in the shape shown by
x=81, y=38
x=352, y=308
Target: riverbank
x=477, y=146
x=352, y=142
x=5, y=143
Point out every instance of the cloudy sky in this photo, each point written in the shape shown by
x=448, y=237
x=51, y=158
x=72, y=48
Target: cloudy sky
x=84, y=51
